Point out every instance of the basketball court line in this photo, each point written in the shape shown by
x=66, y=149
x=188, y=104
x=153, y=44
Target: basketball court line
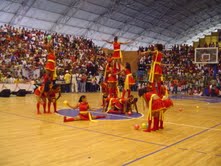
x=171, y=145
x=80, y=128
x=113, y=135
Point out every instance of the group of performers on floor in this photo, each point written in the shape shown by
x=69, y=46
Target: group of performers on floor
x=155, y=95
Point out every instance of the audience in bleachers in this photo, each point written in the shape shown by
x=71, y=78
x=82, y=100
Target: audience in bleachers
x=181, y=74
x=23, y=54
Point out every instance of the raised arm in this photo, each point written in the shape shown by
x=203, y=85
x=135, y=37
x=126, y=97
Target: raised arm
x=110, y=42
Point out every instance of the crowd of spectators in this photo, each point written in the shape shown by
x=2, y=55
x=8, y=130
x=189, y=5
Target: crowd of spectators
x=181, y=74
x=212, y=44
x=23, y=55
x=80, y=63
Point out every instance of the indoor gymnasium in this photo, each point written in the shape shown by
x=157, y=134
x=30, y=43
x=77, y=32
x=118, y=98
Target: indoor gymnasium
x=110, y=82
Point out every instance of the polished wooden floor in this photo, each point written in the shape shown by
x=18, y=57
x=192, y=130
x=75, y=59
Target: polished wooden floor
x=190, y=138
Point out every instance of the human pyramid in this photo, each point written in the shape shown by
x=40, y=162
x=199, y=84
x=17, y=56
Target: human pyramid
x=47, y=92
x=157, y=100
x=114, y=101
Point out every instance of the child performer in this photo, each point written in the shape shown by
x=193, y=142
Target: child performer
x=41, y=94
x=154, y=105
x=84, y=114
x=52, y=97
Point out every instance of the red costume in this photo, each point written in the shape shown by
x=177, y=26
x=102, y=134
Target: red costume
x=156, y=105
x=39, y=91
x=104, y=88
x=117, y=52
x=129, y=80
x=83, y=113
x=156, y=69
x=112, y=78
x=157, y=58
x=168, y=103
x=50, y=64
x=116, y=106
x=83, y=108
x=111, y=75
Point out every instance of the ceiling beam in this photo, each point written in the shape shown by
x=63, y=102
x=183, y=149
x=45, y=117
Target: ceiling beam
x=106, y=14
x=128, y=22
x=64, y=18
x=21, y=12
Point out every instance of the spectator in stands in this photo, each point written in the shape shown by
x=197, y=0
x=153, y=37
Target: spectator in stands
x=83, y=83
x=67, y=79
x=74, y=84
x=23, y=51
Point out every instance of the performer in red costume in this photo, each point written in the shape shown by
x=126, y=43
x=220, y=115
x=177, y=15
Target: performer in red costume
x=129, y=80
x=156, y=71
x=41, y=94
x=154, y=105
x=84, y=114
x=50, y=65
x=110, y=79
x=117, y=55
x=111, y=74
x=107, y=69
x=52, y=97
x=116, y=106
